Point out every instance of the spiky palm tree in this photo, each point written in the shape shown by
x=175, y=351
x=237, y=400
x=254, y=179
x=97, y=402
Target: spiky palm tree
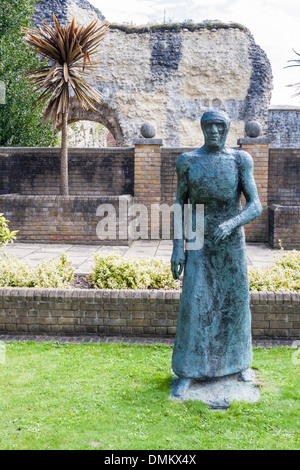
x=71, y=55
x=297, y=64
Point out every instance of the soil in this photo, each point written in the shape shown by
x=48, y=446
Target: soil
x=81, y=282
x=84, y=282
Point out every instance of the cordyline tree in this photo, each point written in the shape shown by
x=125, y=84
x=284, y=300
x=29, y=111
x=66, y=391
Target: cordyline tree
x=297, y=64
x=71, y=53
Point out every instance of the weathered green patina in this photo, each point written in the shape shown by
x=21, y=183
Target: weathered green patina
x=213, y=337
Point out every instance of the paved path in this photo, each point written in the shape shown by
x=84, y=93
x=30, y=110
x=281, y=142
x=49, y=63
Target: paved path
x=82, y=256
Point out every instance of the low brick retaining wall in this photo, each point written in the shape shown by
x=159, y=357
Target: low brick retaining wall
x=129, y=313
x=284, y=226
x=61, y=219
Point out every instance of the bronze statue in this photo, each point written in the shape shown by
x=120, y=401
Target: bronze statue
x=213, y=337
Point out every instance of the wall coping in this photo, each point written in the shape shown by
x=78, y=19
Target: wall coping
x=178, y=150
x=285, y=149
x=145, y=141
x=55, y=151
x=254, y=140
x=31, y=293
x=52, y=198
x=280, y=208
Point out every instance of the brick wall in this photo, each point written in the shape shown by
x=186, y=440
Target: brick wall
x=147, y=172
x=129, y=313
x=147, y=180
x=275, y=314
x=258, y=148
x=110, y=172
x=58, y=219
x=169, y=157
x=284, y=197
x=92, y=171
x=284, y=177
x=284, y=226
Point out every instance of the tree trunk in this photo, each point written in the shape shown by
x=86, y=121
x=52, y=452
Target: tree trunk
x=64, y=184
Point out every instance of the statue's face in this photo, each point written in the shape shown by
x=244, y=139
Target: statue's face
x=215, y=133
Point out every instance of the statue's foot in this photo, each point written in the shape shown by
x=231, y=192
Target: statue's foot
x=246, y=375
x=180, y=388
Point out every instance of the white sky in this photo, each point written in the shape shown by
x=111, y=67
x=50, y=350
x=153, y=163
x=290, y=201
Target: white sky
x=275, y=25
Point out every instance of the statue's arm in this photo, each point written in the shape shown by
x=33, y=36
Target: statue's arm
x=178, y=254
x=253, y=207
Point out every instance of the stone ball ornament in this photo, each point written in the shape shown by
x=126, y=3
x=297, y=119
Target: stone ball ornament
x=253, y=129
x=148, y=130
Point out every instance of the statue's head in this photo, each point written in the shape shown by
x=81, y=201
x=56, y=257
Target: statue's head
x=215, y=126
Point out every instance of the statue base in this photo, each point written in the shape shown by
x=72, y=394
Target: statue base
x=219, y=392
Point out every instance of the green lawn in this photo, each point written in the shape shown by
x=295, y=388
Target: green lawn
x=116, y=396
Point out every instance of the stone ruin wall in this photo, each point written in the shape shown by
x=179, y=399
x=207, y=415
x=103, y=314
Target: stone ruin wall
x=172, y=77
x=284, y=126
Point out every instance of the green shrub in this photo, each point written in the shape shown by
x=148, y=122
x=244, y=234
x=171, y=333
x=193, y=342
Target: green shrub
x=5, y=234
x=283, y=276
x=20, y=124
x=15, y=273
x=113, y=271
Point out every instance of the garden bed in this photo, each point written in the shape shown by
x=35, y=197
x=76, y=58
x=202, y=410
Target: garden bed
x=131, y=298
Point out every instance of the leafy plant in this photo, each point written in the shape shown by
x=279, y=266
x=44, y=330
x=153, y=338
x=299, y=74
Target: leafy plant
x=283, y=276
x=70, y=53
x=113, y=271
x=296, y=64
x=15, y=273
x=6, y=235
x=20, y=125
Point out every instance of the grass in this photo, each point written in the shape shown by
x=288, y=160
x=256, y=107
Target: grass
x=130, y=29
x=116, y=396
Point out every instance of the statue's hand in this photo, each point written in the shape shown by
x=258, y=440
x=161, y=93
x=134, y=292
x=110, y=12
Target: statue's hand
x=177, y=262
x=222, y=231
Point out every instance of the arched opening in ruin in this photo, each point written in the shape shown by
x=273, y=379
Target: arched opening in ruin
x=98, y=129
x=89, y=134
